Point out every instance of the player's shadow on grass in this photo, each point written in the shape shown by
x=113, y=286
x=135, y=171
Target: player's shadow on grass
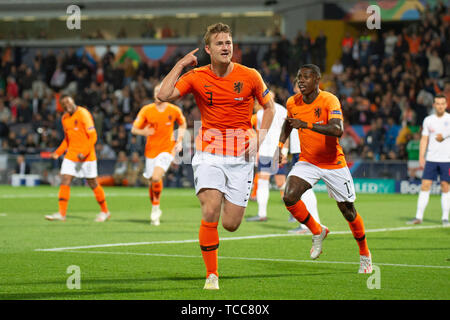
x=406, y=219
x=114, y=282
x=77, y=293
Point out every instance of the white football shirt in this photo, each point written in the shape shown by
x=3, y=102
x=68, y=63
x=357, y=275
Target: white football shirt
x=432, y=126
x=270, y=143
x=294, y=142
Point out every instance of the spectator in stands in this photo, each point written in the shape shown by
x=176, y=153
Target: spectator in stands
x=435, y=66
x=22, y=167
x=373, y=141
x=104, y=151
x=135, y=171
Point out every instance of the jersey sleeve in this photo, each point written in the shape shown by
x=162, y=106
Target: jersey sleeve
x=425, y=129
x=180, y=119
x=88, y=121
x=334, y=108
x=288, y=107
x=184, y=83
x=140, y=121
x=260, y=90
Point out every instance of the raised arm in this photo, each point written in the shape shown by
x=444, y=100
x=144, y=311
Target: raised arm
x=168, y=92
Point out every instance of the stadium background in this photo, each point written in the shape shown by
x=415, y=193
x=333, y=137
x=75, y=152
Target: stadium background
x=384, y=78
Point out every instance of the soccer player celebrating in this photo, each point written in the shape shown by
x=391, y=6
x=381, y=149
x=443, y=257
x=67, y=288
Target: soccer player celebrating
x=434, y=157
x=156, y=122
x=318, y=116
x=309, y=197
x=80, y=160
x=224, y=92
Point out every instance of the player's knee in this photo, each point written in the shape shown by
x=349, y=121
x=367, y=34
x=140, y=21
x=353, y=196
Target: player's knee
x=290, y=198
x=348, y=210
x=230, y=225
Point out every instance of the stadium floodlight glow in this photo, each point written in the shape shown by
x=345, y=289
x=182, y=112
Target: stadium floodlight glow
x=8, y=18
x=258, y=13
x=148, y=16
x=187, y=15
x=227, y=14
x=29, y=18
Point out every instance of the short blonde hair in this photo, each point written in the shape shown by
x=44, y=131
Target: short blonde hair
x=214, y=29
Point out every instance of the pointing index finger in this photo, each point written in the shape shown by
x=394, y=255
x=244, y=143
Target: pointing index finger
x=193, y=51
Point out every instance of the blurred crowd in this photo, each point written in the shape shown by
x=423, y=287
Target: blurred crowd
x=385, y=80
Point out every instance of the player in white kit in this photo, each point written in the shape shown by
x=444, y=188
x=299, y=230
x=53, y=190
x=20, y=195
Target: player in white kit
x=434, y=158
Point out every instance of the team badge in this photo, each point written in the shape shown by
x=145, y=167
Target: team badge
x=238, y=86
x=317, y=112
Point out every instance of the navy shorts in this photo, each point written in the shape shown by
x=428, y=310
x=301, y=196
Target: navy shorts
x=270, y=165
x=434, y=169
x=295, y=157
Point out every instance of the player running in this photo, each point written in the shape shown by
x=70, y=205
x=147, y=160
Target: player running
x=224, y=92
x=156, y=122
x=434, y=157
x=318, y=116
x=309, y=197
x=80, y=160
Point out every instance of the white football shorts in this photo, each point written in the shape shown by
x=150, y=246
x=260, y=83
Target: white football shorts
x=162, y=160
x=232, y=176
x=78, y=169
x=339, y=181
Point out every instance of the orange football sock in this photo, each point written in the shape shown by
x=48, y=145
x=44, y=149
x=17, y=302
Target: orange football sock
x=100, y=197
x=255, y=186
x=357, y=227
x=209, y=243
x=63, y=199
x=302, y=215
x=150, y=192
x=156, y=190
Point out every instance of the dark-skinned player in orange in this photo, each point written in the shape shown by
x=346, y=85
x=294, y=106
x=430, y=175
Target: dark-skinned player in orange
x=318, y=117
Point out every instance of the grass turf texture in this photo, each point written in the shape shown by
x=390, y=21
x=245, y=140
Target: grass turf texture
x=272, y=268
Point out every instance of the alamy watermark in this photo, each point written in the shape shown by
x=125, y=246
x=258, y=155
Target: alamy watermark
x=374, y=281
x=73, y=21
x=74, y=280
x=374, y=19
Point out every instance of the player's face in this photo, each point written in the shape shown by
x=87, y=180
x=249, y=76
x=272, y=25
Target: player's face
x=440, y=104
x=68, y=105
x=307, y=81
x=220, y=48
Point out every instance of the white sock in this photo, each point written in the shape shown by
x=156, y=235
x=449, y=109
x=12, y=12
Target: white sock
x=445, y=203
x=262, y=197
x=310, y=201
x=155, y=207
x=422, y=203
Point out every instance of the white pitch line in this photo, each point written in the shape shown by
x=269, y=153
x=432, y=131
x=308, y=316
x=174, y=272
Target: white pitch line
x=259, y=259
x=231, y=238
x=3, y=214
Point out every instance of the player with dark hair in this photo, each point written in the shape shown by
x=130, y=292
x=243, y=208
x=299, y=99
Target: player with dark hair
x=434, y=157
x=318, y=116
x=80, y=160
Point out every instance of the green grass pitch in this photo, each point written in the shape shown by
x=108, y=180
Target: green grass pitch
x=127, y=258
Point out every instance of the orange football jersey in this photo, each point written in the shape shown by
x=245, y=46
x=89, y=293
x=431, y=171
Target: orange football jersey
x=321, y=150
x=80, y=135
x=163, y=122
x=226, y=106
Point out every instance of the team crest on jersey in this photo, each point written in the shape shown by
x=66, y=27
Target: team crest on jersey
x=317, y=112
x=238, y=86
x=170, y=118
x=75, y=122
